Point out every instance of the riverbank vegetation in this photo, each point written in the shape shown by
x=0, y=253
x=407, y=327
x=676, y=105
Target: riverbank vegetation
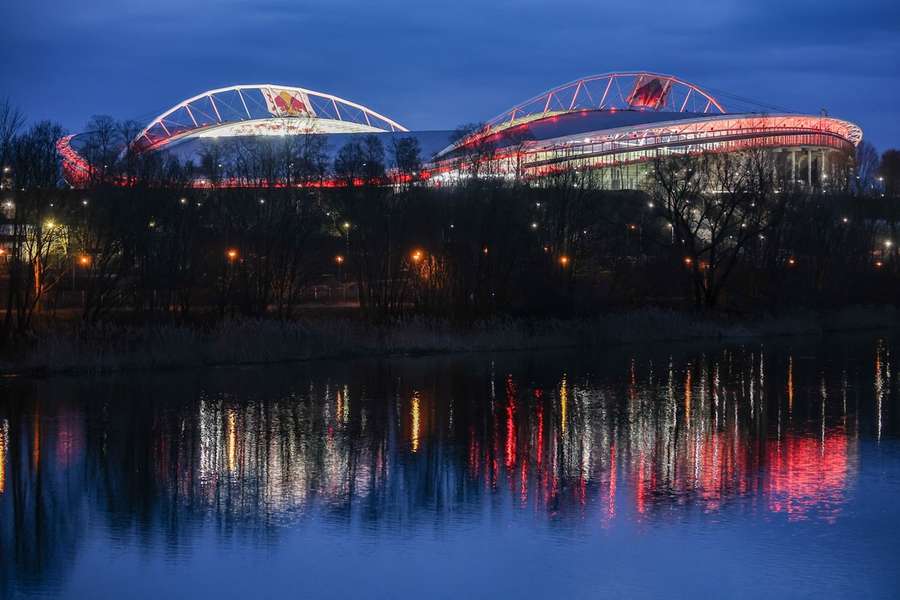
x=109, y=347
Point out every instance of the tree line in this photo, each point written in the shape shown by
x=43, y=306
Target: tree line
x=277, y=217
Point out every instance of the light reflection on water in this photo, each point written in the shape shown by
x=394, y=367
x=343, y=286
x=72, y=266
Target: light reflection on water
x=550, y=464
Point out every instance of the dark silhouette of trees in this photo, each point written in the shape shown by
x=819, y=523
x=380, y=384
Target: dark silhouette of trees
x=889, y=171
x=718, y=206
x=866, y=167
x=259, y=226
x=36, y=250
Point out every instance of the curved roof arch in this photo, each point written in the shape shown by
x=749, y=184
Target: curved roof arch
x=622, y=90
x=260, y=109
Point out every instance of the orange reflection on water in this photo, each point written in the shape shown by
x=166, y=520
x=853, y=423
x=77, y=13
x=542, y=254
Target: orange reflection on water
x=687, y=396
x=36, y=439
x=415, y=426
x=563, y=402
x=790, y=383
x=231, y=439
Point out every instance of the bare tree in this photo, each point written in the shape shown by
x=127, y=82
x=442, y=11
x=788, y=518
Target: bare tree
x=38, y=249
x=11, y=121
x=407, y=159
x=866, y=168
x=717, y=206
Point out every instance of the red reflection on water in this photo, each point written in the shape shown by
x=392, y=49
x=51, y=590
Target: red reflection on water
x=69, y=436
x=702, y=463
x=539, y=442
x=806, y=473
x=640, y=501
x=523, y=484
x=4, y=428
x=510, y=423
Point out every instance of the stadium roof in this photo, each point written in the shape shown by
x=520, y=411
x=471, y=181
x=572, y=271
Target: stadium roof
x=260, y=109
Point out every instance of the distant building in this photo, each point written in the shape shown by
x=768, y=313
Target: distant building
x=613, y=124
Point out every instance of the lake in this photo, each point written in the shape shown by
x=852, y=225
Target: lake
x=767, y=469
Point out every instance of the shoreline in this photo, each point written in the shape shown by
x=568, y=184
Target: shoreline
x=112, y=348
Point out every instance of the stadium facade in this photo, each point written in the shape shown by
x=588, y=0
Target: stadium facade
x=614, y=124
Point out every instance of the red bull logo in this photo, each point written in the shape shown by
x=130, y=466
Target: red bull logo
x=287, y=103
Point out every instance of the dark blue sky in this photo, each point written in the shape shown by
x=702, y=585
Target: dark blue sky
x=434, y=65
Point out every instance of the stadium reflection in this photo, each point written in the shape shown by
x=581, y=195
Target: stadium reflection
x=577, y=441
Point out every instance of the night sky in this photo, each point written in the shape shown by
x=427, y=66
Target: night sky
x=435, y=65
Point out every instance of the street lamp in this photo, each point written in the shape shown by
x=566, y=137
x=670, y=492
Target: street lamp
x=84, y=261
x=416, y=256
x=231, y=254
x=564, y=261
x=339, y=261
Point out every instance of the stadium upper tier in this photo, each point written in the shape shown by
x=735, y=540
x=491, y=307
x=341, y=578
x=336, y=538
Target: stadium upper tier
x=599, y=121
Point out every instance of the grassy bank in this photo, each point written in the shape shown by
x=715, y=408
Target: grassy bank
x=117, y=347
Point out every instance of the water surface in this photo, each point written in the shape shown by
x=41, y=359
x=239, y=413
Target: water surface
x=759, y=470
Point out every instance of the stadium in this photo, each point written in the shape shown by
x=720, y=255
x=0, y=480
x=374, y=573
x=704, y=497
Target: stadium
x=614, y=124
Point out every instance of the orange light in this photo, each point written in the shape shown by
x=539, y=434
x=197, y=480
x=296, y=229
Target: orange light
x=687, y=261
x=416, y=255
x=232, y=254
x=632, y=226
x=485, y=250
x=2, y=251
x=84, y=260
x=339, y=259
x=878, y=264
x=791, y=262
x=564, y=260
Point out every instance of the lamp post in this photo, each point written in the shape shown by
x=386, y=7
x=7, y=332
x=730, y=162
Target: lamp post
x=231, y=256
x=345, y=226
x=339, y=260
x=83, y=261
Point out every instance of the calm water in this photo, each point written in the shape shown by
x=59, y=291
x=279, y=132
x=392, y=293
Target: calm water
x=761, y=470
